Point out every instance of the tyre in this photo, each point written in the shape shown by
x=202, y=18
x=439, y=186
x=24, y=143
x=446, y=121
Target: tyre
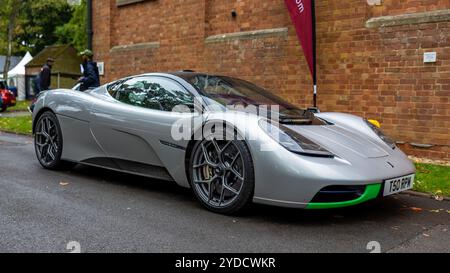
x=3, y=108
x=222, y=175
x=48, y=143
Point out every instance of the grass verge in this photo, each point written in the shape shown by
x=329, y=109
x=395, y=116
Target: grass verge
x=20, y=106
x=432, y=179
x=18, y=125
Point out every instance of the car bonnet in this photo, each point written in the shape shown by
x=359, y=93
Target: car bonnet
x=341, y=141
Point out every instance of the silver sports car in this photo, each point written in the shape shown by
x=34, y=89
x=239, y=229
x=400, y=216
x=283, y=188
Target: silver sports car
x=229, y=140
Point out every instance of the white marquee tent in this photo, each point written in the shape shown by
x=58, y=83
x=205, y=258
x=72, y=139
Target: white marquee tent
x=16, y=76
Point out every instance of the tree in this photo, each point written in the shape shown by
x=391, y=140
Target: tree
x=38, y=28
x=9, y=15
x=74, y=32
x=30, y=25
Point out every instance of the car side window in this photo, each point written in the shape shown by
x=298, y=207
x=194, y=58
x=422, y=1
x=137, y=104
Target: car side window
x=155, y=93
x=114, y=87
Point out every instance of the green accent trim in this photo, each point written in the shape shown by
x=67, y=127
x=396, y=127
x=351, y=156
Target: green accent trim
x=371, y=192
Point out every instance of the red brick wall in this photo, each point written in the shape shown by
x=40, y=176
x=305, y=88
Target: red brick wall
x=395, y=7
x=264, y=14
x=376, y=73
x=102, y=30
x=136, y=23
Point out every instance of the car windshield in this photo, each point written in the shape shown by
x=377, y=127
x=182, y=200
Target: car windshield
x=232, y=92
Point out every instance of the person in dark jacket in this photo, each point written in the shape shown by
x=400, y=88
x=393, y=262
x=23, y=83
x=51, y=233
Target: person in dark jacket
x=91, y=78
x=44, y=79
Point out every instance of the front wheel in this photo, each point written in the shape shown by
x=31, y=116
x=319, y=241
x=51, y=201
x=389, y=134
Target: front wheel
x=48, y=142
x=222, y=175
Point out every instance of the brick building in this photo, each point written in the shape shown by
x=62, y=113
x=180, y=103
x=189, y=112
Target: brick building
x=370, y=55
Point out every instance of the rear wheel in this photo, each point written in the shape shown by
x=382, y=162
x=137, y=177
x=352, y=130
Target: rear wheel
x=48, y=142
x=222, y=175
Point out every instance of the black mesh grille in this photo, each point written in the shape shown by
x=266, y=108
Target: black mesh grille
x=332, y=194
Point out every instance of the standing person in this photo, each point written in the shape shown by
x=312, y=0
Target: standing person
x=91, y=78
x=44, y=79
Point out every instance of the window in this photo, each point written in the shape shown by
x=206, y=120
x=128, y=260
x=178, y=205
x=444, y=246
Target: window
x=153, y=93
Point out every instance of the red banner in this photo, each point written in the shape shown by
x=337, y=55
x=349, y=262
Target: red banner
x=302, y=13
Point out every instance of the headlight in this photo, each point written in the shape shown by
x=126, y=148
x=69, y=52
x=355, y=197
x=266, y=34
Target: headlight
x=389, y=141
x=292, y=140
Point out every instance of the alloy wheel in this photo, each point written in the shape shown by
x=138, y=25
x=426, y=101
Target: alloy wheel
x=47, y=141
x=218, y=172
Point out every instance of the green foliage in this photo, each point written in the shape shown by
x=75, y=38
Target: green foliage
x=39, y=21
x=36, y=24
x=74, y=32
x=8, y=9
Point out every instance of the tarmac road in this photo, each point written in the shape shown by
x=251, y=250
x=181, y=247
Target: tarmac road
x=104, y=211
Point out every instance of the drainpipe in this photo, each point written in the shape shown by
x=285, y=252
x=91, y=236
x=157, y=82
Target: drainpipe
x=89, y=30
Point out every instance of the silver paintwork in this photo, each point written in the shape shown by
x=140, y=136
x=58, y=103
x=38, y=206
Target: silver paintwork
x=94, y=125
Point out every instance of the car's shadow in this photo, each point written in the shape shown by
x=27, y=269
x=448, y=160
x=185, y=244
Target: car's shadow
x=374, y=211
